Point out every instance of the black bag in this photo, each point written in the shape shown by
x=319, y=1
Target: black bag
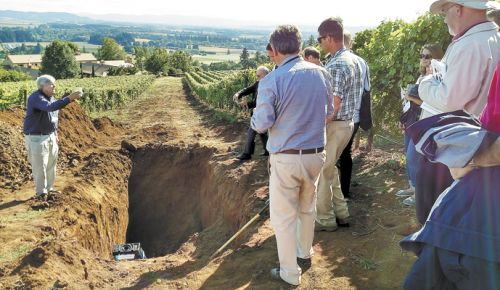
x=365, y=111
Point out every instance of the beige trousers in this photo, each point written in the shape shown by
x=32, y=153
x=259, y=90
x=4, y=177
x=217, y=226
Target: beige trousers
x=292, y=189
x=42, y=155
x=331, y=202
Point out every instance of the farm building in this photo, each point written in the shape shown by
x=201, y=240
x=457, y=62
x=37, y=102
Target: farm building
x=34, y=61
x=100, y=69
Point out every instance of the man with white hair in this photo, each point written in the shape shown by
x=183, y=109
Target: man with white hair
x=40, y=130
x=249, y=149
x=459, y=82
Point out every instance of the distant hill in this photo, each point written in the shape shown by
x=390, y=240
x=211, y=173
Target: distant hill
x=9, y=16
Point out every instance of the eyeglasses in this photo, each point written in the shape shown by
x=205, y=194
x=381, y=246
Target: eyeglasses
x=425, y=56
x=319, y=39
x=445, y=10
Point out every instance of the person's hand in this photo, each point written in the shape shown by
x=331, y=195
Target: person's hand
x=75, y=96
x=244, y=105
x=458, y=173
x=428, y=70
x=329, y=119
x=401, y=127
x=236, y=97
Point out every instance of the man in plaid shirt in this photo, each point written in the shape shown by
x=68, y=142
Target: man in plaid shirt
x=347, y=87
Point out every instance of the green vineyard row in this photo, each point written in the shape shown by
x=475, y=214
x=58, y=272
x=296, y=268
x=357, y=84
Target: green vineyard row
x=217, y=89
x=99, y=93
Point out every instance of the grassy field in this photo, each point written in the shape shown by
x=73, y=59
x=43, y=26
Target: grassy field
x=89, y=48
x=220, y=54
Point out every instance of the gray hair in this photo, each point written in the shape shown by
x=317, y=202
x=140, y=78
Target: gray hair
x=347, y=39
x=43, y=80
x=263, y=70
x=286, y=39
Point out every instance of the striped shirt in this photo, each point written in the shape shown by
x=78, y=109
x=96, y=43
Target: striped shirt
x=347, y=83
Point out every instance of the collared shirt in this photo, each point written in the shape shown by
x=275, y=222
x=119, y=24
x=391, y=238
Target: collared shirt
x=456, y=37
x=42, y=113
x=292, y=103
x=464, y=77
x=346, y=82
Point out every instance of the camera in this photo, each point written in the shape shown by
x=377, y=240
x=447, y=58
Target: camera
x=130, y=251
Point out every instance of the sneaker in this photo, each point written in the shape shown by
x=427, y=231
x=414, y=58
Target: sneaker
x=343, y=223
x=304, y=264
x=244, y=156
x=275, y=274
x=405, y=192
x=410, y=201
x=40, y=197
x=321, y=228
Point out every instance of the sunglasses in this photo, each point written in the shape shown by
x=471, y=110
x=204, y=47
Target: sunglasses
x=425, y=56
x=319, y=39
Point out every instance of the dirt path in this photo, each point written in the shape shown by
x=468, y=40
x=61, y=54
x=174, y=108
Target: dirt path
x=191, y=154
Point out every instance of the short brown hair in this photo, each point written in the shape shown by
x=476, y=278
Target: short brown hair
x=435, y=49
x=286, y=39
x=268, y=47
x=311, y=51
x=333, y=27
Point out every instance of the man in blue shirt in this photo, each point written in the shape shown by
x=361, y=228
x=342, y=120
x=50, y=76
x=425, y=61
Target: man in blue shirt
x=293, y=103
x=40, y=130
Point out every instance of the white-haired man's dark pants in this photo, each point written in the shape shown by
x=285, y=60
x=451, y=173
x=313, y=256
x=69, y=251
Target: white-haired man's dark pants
x=42, y=155
x=292, y=188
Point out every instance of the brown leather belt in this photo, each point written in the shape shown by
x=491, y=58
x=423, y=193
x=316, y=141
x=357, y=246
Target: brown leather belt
x=305, y=151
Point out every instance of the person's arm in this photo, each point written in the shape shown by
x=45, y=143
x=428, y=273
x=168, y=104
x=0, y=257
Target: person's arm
x=329, y=98
x=414, y=100
x=248, y=91
x=460, y=85
x=489, y=156
x=486, y=157
x=338, y=82
x=42, y=104
x=264, y=115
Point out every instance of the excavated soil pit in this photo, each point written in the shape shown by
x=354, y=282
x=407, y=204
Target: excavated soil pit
x=168, y=187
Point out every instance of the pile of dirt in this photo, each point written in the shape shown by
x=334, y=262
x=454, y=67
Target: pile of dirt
x=76, y=131
x=72, y=265
x=107, y=127
x=77, y=135
x=14, y=168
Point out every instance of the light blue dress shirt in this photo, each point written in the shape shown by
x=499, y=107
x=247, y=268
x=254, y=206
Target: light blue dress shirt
x=293, y=102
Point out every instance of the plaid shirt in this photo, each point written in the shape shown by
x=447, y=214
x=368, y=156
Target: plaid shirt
x=347, y=83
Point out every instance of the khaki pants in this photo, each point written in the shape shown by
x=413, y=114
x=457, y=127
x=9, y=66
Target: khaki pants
x=42, y=155
x=331, y=203
x=292, y=189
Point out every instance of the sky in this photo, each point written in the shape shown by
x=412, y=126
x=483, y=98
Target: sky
x=354, y=12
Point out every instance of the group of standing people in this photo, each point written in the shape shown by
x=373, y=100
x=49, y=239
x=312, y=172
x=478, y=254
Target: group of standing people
x=300, y=103
x=296, y=98
x=307, y=115
x=449, y=174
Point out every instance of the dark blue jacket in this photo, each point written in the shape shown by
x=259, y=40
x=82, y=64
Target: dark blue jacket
x=42, y=113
